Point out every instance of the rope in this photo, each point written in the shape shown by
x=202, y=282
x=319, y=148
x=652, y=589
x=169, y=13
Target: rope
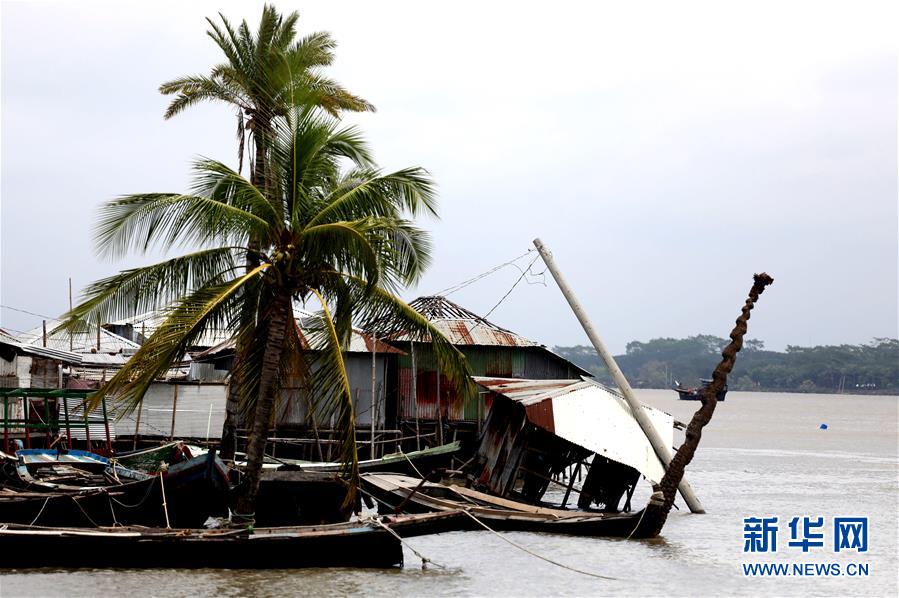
x=77, y=504
x=115, y=522
x=412, y=464
x=636, y=527
x=165, y=508
x=142, y=501
x=40, y=512
x=534, y=554
x=424, y=560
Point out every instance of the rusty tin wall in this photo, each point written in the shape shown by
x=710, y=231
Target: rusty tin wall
x=496, y=361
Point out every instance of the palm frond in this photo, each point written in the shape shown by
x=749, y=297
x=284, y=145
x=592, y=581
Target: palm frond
x=381, y=312
x=153, y=287
x=141, y=221
x=213, y=307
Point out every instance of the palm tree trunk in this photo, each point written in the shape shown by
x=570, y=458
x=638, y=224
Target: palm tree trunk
x=228, y=443
x=274, y=346
x=658, y=509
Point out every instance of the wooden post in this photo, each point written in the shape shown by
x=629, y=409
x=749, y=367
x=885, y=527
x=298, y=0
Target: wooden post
x=98, y=334
x=174, y=411
x=415, y=395
x=439, y=411
x=140, y=407
x=374, y=378
x=571, y=484
x=44, y=324
x=658, y=445
x=71, y=340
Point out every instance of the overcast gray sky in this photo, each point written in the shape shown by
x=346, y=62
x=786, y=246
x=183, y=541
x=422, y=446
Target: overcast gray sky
x=665, y=152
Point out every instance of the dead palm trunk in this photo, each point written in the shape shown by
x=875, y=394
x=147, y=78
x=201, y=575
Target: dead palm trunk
x=277, y=320
x=657, y=511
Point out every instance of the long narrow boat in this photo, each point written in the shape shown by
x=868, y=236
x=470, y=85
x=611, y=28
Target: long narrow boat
x=425, y=460
x=411, y=495
x=371, y=543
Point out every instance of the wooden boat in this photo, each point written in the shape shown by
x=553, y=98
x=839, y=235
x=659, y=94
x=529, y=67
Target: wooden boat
x=184, y=495
x=426, y=460
x=291, y=497
x=358, y=544
x=695, y=394
x=306, y=493
x=153, y=458
x=410, y=495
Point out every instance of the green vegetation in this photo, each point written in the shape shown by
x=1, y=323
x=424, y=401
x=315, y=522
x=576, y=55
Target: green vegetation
x=317, y=220
x=869, y=368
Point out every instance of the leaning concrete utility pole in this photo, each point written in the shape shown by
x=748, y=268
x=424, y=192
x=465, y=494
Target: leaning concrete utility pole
x=662, y=451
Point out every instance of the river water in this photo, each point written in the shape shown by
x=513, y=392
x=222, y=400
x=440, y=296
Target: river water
x=763, y=455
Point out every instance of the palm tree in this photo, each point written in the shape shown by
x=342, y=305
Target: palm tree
x=263, y=76
x=340, y=238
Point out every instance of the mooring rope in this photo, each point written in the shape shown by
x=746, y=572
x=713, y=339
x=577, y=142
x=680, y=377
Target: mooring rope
x=405, y=456
x=46, y=500
x=534, y=554
x=520, y=547
x=77, y=504
x=165, y=508
x=141, y=502
x=424, y=560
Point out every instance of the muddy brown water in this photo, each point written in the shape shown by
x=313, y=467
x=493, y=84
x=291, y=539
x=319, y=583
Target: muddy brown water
x=764, y=455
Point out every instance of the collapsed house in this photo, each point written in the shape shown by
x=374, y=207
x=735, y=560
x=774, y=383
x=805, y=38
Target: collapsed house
x=538, y=429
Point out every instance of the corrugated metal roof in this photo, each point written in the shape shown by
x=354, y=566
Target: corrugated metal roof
x=83, y=341
x=47, y=352
x=147, y=323
x=463, y=327
x=360, y=342
x=590, y=416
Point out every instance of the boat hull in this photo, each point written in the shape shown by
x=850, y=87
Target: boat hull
x=351, y=545
x=502, y=514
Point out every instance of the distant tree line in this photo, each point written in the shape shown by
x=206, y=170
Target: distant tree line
x=659, y=363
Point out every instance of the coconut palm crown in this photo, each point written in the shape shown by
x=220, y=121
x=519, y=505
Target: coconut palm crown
x=338, y=237
x=261, y=76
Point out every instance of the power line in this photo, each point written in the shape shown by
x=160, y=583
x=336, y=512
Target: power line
x=30, y=313
x=509, y=292
x=459, y=286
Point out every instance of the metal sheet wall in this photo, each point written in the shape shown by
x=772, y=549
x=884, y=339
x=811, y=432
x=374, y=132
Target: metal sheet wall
x=293, y=408
x=500, y=362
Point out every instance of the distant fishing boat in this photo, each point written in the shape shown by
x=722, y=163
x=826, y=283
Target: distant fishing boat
x=695, y=394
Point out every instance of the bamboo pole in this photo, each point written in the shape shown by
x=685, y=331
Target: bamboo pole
x=140, y=408
x=658, y=445
x=71, y=340
x=174, y=411
x=415, y=396
x=439, y=411
x=374, y=382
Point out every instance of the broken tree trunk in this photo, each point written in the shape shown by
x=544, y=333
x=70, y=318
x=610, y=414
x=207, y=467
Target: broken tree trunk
x=657, y=511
